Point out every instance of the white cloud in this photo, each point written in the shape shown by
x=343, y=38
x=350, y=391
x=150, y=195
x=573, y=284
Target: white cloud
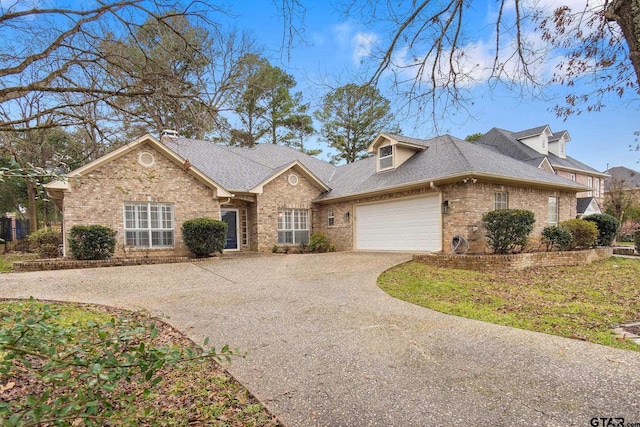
x=362, y=46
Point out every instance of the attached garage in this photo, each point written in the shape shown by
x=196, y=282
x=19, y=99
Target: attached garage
x=399, y=225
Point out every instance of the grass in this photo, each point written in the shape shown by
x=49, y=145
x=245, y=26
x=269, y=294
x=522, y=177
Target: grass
x=195, y=392
x=574, y=302
x=7, y=260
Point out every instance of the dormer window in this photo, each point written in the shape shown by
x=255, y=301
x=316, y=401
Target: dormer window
x=385, y=157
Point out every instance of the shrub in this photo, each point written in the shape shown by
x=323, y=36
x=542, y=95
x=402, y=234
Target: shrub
x=508, y=229
x=319, y=243
x=585, y=233
x=91, y=242
x=556, y=237
x=46, y=241
x=608, y=227
x=204, y=236
x=636, y=240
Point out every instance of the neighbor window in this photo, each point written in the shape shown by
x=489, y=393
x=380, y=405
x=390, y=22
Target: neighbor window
x=590, y=184
x=501, y=201
x=293, y=226
x=572, y=176
x=385, y=157
x=596, y=187
x=553, y=211
x=148, y=225
x=330, y=217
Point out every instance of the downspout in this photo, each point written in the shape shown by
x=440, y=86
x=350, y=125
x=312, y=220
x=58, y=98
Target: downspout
x=439, y=190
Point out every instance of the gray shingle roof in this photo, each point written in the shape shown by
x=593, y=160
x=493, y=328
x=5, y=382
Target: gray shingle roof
x=583, y=204
x=507, y=142
x=629, y=178
x=241, y=169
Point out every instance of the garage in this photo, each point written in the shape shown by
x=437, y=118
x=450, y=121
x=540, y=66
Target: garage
x=399, y=225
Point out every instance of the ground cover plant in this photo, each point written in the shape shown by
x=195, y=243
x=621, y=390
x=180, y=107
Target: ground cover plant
x=583, y=302
x=7, y=260
x=73, y=365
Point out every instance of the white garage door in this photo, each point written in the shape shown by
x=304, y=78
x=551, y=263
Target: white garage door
x=399, y=225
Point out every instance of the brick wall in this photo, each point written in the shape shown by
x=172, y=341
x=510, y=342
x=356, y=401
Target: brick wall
x=467, y=203
x=277, y=194
x=99, y=198
x=516, y=261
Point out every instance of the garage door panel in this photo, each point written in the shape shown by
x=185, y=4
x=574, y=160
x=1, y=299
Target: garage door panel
x=399, y=225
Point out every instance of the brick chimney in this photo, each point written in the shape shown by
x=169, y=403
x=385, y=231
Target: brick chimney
x=168, y=134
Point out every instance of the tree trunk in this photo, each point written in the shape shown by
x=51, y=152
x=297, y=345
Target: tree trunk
x=32, y=206
x=626, y=13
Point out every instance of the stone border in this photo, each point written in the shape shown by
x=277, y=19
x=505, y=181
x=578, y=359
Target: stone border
x=66, y=263
x=626, y=334
x=515, y=262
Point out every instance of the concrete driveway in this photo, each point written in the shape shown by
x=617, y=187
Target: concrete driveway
x=326, y=347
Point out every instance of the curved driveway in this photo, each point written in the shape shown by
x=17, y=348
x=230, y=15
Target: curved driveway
x=327, y=347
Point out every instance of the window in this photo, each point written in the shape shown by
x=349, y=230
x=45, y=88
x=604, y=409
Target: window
x=385, y=157
x=590, y=184
x=330, y=217
x=148, y=225
x=572, y=176
x=596, y=187
x=553, y=211
x=293, y=226
x=501, y=201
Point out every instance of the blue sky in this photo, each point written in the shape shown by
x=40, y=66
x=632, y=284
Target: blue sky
x=335, y=44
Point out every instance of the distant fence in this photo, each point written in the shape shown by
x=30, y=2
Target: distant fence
x=14, y=231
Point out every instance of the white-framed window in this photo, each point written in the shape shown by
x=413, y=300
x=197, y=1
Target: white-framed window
x=590, y=184
x=553, y=211
x=331, y=219
x=148, y=225
x=596, y=187
x=501, y=200
x=572, y=176
x=293, y=226
x=385, y=157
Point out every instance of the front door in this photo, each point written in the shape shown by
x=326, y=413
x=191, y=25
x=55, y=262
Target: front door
x=230, y=216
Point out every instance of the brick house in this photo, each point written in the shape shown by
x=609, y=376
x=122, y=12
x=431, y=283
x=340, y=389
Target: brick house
x=547, y=150
x=410, y=195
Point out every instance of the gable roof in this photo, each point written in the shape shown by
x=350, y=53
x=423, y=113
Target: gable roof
x=508, y=143
x=629, y=178
x=447, y=159
x=62, y=185
x=587, y=206
x=244, y=169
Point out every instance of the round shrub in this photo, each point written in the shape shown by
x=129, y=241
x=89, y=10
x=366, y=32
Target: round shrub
x=204, y=236
x=555, y=237
x=585, y=233
x=46, y=241
x=608, y=227
x=508, y=229
x=91, y=242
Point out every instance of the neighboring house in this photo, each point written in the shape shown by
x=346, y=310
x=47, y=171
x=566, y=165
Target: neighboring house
x=410, y=195
x=547, y=150
x=622, y=191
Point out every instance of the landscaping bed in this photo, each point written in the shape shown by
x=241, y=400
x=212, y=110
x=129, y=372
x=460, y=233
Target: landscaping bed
x=581, y=302
x=41, y=387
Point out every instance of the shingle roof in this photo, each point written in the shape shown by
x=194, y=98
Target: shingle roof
x=241, y=169
x=507, y=142
x=629, y=178
x=583, y=204
x=445, y=157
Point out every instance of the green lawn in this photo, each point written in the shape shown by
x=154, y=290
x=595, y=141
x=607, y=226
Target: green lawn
x=576, y=302
x=7, y=260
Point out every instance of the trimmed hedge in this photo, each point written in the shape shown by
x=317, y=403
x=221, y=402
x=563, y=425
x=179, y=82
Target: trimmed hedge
x=608, y=227
x=636, y=240
x=203, y=236
x=556, y=237
x=88, y=242
x=585, y=233
x=508, y=229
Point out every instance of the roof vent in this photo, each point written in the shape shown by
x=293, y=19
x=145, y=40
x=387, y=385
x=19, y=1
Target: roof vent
x=169, y=134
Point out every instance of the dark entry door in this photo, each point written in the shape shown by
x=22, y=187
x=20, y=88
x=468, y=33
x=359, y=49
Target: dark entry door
x=230, y=216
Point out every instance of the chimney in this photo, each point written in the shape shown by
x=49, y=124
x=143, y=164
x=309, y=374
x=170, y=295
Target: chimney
x=168, y=134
